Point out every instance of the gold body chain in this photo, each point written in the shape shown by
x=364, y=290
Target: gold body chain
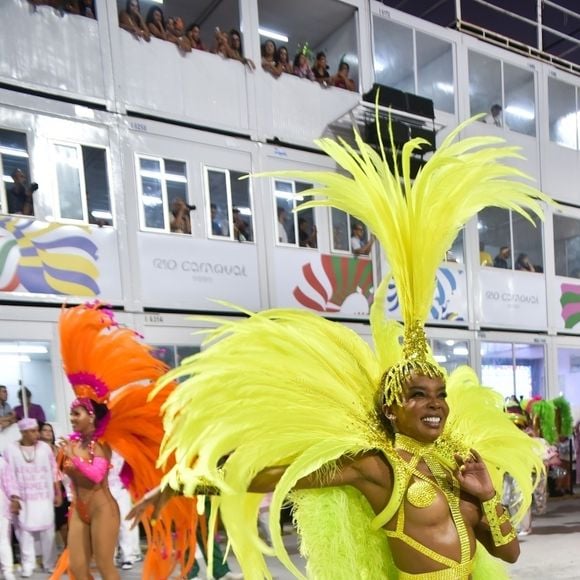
x=421, y=493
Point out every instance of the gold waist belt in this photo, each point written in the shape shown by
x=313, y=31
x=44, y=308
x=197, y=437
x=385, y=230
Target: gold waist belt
x=459, y=572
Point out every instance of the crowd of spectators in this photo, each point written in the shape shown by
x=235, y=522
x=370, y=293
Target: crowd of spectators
x=80, y=7
x=275, y=61
x=172, y=29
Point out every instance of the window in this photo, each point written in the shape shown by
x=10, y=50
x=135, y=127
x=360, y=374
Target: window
x=393, y=55
x=485, y=86
x=28, y=364
x=456, y=252
x=13, y=156
x=294, y=228
x=450, y=353
x=506, y=93
x=563, y=115
x=513, y=369
x=568, y=375
x=172, y=354
x=82, y=184
x=164, y=196
x=349, y=235
x=520, y=100
x=507, y=240
x=567, y=246
x=230, y=205
x=435, y=71
x=414, y=62
x=333, y=30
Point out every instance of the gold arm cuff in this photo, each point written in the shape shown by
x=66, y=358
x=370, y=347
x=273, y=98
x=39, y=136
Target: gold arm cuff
x=495, y=522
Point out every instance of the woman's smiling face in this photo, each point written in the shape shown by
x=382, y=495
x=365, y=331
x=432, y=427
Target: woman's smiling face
x=424, y=411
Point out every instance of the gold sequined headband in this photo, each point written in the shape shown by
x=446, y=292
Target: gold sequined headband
x=415, y=361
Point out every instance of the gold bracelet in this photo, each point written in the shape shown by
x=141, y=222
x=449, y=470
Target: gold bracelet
x=495, y=522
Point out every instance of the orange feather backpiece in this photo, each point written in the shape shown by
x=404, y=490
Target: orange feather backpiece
x=109, y=363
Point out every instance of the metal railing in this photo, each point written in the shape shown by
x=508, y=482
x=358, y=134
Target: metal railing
x=539, y=51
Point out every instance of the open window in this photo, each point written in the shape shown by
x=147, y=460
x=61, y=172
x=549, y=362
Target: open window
x=82, y=184
x=331, y=30
x=13, y=157
x=229, y=205
x=28, y=364
x=348, y=235
x=508, y=240
x=163, y=190
x=505, y=92
x=294, y=228
x=567, y=246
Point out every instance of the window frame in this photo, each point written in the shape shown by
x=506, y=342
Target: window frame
x=52, y=143
x=3, y=192
x=162, y=178
x=333, y=250
x=515, y=343
x=425, y=32
x=503, y=62
x=513, y=259
x=295, y=197
x=576, y=88
x=230, y=210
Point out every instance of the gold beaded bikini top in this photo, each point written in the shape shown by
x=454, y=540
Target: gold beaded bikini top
x=421, y=493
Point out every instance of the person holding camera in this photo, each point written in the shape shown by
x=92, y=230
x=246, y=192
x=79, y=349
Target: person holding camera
x=19, y=196
x=180, y=221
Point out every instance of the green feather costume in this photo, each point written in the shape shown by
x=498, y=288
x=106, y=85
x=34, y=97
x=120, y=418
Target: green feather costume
x=288, y=388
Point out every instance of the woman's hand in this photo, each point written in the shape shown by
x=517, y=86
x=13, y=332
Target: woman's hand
x=155, y=498
x=473, y=476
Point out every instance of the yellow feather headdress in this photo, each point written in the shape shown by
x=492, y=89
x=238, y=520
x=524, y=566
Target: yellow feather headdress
x=417, y=220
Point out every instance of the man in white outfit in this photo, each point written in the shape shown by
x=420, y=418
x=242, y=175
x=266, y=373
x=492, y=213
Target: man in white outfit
x=6, y=488
x=129, y=546
x=35, y=493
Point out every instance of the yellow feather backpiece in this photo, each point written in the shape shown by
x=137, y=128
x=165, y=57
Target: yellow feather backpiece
x=477, y=420
x=285, y=387
x=282, y=387
x=288, y=388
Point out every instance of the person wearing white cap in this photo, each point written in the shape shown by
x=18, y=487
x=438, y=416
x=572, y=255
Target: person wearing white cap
x=35, y=491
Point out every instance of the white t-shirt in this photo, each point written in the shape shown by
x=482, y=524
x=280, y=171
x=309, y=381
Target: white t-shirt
x=282, y=233
x=35, y=471
x=356, y=243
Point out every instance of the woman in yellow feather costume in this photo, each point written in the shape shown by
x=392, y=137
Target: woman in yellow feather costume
x=394, y=468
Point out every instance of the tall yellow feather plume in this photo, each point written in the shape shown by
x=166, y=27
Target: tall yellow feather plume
x=416, y=221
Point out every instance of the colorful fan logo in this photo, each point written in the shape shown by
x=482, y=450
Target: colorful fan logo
x=570, y=301
x=47, y=258
x=442, y=307
x=336, y=284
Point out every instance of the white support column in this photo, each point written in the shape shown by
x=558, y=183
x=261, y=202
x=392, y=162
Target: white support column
x=539, y=10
